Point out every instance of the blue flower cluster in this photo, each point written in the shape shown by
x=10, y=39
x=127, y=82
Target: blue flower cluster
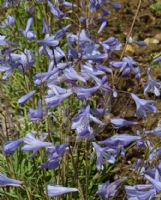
x=80, y=67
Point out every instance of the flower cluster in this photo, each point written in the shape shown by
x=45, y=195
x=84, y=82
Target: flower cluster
x=78, y=77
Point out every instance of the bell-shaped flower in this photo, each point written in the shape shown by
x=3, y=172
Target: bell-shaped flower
x=5, y=181
x=107, y=189
x=120, y=122
x=143, y=106
x=54, y=190
x=24, y=98
x=27, y=33
x=104, y=154
x=34, y=144
x=140, y=192
x=36, y=114
x=11, y=146
x=152, y=85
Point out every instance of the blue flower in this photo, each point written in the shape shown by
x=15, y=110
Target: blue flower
x=104, y=154
x=54, y=190
x=49, y=41
x=158, y=59
x=2, y=40
x=60, y=33
x=71, y=74
x=36, y=114
x=119, y=140
x=24, y=98
x=111, y=44
x=119, y=122
x=33, y=144
x=56, y=95
x=46, y=28
x=126, y=66
x=155, y=181
x=143, y=106
x=5, y=181
x=82, y=123
x=54, y=154
x=152, y=85
x=155, y=131
x=11, y=146
x=103, y=25
x=140, y=192
x=107, y=190
x=55, y=11
x=27, y=33
x=9, y=21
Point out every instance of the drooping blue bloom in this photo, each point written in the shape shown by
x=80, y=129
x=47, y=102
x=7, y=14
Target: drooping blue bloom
x=36, y=114
x=55, y=11
x=104, y=154
x=120, y=140
x=49, y=41
x=140, y=192
x=126, y=66
x=82, y=123
x=27, y=33
x=33, y=144
x=143, y=106
x=54, y=154
x=152, y=85
x=54, y=190
x=11, y=146
x=120, y=122
x=5, y=181
x=107, y=189
x=56, y=95
x=24, y=98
